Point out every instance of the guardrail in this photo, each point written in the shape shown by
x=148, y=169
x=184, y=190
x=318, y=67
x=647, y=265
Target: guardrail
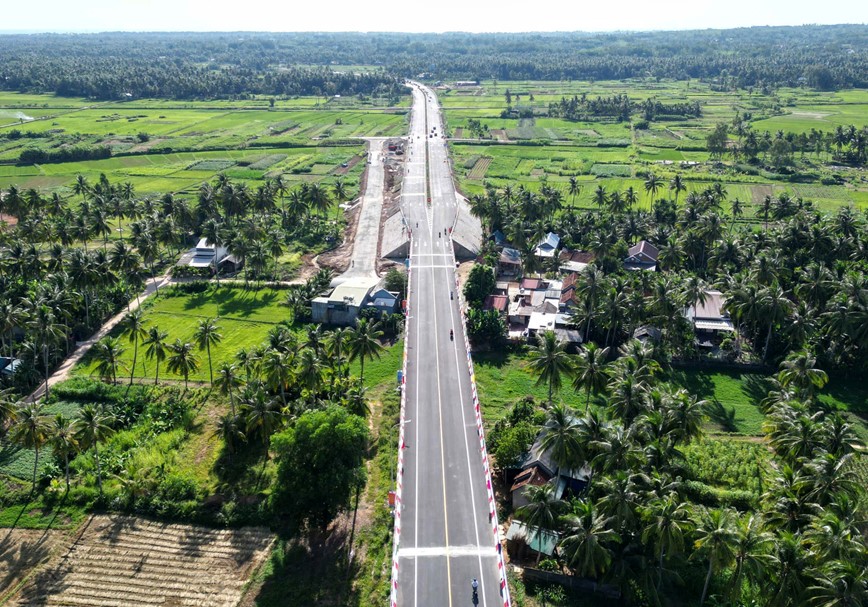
x=399, y=475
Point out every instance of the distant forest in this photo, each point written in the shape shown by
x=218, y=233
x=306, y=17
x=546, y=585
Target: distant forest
x=219, y=65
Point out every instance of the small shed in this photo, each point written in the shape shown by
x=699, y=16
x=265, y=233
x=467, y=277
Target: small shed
x=538, y=540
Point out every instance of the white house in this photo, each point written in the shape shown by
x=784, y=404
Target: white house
x=548, y=246
x=709, y=315
x=204, y=255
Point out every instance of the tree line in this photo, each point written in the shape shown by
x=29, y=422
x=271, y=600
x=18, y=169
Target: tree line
x=217, y=65
x=68, y=263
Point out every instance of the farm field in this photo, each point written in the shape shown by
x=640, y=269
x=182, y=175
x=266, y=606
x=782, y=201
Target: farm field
x=118, y=560
x=244, y=316
x=157, y=145
x=537, y=149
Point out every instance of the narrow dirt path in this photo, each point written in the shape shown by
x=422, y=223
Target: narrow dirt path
x=63, y=371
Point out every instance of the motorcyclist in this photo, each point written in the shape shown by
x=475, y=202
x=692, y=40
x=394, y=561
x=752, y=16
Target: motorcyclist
x=451, y=334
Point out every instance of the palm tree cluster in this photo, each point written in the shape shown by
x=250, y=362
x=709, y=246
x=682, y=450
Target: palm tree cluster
x=56, y=286
x=634, y=525
x=270, y=385
x=797, y=283
x=30, y=428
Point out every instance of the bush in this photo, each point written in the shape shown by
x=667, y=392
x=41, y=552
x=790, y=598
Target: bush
x=710, y=496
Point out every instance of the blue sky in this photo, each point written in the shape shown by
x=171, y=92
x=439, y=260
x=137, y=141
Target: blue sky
x=450, y=15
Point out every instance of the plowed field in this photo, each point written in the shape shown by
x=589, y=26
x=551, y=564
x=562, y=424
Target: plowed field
x=125, y=561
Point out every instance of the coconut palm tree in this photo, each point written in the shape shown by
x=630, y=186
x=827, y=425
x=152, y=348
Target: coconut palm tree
x=652, y=185
x=107, y=354
x=207, y=334
x=262, y=414
x=542, y=509
x=156, y=348
x=840, y=583
x=590, y=371
x=560, y=436
x=63, y=441
x=677, y=185
x=8, y=408
x=31, y=431
x=133, y=326
x=230, y=428
x=798, y=370
x=47, y=331
x=789, y=561
x=310, y=371
x=600, y=196
x=751, y=552
x=338, y=343
x=667, y=524
x=589, y=285
x=277, y=368
x=586, y=540
x=92, y=426
x=365, y=343
x=549, y=361
x=776, y=308
x=228, y=381
x=574, y=189
x=182, y=360
x=716, y=540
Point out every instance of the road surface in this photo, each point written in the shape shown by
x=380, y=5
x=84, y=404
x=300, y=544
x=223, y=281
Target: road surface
x=363, y=263
x=445, y=538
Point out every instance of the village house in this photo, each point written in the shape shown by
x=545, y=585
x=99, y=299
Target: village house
x=642, y=256
x=343, y=304
x=538, y=468
x=574, y=261
x=548, y=246
x=710, y=319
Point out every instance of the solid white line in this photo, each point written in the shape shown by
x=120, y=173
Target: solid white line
x=416, y=457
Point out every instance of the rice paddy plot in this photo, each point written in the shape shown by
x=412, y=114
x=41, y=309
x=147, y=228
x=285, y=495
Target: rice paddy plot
x=244, y=317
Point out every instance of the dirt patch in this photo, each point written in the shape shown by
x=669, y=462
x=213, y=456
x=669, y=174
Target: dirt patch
x=309, y=266
x=458, y=133
x=8, y=220
x=126, y=561
x=22, y=551
x=759, y=192
x=338, y=259
x=147, y=145
x=499, y=134
x=341, y=170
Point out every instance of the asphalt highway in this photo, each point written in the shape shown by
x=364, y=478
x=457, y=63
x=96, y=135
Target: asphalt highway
x=446, y=539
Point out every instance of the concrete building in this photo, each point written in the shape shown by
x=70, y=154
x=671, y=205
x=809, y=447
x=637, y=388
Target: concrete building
x=343, y=305
x=204, y=255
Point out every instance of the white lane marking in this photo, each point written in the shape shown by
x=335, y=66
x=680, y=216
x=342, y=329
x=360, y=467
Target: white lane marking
x=418, y=266
x=447, y=551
